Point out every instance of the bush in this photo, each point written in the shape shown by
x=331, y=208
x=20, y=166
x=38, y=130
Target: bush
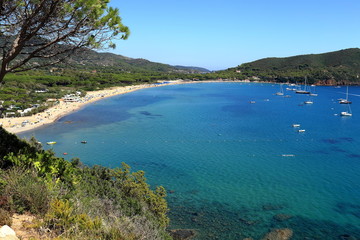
x=26, y=192
x=5, y=217
x=62, y=218
x=75, y=201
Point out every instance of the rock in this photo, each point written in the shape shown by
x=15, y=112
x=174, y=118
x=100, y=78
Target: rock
x=6, y=230
x=6, y=233
x=9, y=237
x=282, y=217
x=247, y=222
x=182, y=234
x=346, y=237
x=279, y=234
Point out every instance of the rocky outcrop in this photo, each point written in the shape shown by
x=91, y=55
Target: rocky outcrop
x=6, y=233
x=282, y=217
x=346, y=237
x=328, y=82
x=279, y=234
x=182, y=234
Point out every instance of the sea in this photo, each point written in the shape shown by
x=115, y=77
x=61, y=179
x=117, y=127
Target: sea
x=227, y=153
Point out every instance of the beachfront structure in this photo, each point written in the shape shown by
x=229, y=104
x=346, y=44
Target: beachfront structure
x=41, y=91
x=25, y=111
x=10, y=114
x=71, y=98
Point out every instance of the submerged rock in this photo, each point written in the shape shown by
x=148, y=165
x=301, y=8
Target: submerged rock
x=182, y=234
x=346, y=237
x=282, y=217
x=279, y=234
x=247, y=222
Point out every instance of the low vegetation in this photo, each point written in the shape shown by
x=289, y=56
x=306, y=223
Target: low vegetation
x=74, y=201
x=94, y=71
x=333, y=68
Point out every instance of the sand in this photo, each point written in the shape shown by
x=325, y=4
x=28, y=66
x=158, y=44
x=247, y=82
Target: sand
x=21, y=124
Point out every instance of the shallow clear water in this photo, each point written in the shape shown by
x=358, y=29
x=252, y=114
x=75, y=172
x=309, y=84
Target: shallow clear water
x=230, y=166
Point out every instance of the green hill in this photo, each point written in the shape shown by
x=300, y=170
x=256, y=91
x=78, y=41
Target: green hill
x=339, y=67
x=109, y=62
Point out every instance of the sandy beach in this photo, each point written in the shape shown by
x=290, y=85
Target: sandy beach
x=21, y=124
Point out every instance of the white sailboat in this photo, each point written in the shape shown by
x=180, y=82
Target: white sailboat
x=281, y=93
x=345, y=101
x=347, y=113
x=309, y=101
x=303, y=91
x=313, y=92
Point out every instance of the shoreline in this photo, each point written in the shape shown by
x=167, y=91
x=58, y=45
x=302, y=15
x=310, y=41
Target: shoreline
x=21, y=124
x=52, y=114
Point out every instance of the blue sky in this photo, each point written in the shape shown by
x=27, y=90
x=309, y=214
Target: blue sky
x=218, y=34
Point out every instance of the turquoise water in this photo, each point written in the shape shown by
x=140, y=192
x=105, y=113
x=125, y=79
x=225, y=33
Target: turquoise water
x=230, y=166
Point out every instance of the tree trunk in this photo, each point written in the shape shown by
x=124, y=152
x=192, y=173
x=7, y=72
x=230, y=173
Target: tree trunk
x=2, y=73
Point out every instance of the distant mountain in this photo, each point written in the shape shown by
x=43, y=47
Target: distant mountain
x=339, y=67
x=92, y=60
x=109, y=61
x=194, y=69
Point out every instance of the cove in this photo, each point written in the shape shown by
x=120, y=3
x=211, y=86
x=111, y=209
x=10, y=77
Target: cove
x=233, y=164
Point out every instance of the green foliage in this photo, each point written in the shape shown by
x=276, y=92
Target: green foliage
x=61, y=218
x=48, y=167
x=80, y=202
x=9, y=143
x=340, y=67
x=26, y=191
x=128, y=189
x=5, y=217
x=43, y=34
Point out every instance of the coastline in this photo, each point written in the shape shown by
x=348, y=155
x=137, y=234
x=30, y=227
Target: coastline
x=22, y=124
x=16, y=124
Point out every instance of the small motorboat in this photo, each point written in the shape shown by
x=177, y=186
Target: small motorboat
x=51, y=143
x=83, y=142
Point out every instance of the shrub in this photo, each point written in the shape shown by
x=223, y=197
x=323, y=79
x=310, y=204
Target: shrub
x=26, y=192
x=62, y=218
x=5, y=217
